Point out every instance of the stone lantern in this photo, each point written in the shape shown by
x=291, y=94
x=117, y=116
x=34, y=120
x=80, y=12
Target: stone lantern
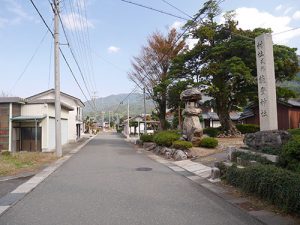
x=192, y=129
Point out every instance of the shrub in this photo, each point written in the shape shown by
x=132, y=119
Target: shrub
x=248, y=157
x=276, y=185
x=294, y=131
x=5, y=153
x=166, y=138
x=182, y=144
x=146, y=138
x=209, y=142
x=270, y=150
x=247, y=128
x=290, y=154
x=212, y=132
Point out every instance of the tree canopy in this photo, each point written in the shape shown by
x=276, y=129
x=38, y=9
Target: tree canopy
x=223, y=62
x=150, y=70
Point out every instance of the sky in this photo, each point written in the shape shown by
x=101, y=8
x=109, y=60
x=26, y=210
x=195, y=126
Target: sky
x=104, y=36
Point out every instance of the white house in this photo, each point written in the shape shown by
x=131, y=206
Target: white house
x=31, y=124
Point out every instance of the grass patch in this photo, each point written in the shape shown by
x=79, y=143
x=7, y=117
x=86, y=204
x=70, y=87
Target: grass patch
x=23, y=162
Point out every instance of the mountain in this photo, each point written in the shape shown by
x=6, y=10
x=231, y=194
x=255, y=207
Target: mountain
x=112, y=103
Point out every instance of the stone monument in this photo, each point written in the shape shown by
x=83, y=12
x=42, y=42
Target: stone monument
x=266, y=82
x=192, y=129
x=269, y=135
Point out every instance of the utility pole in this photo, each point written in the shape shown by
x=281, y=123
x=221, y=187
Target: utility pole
x=145, y=117
x=103, y=120
x=128, y=128
x=57, y=80
x=109, y=120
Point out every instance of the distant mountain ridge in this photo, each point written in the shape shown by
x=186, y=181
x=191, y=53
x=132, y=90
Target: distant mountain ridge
x=112, y=103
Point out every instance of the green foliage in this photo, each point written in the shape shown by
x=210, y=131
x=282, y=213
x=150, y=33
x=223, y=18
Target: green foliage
x=146, y=138
x=285, y=93
x=247, y=128
x=290, y=154
x=208, y=142
x=225, y=64
x=182, y=144
x=174, y=92
x=271, y=151
x=276, y=185
x=166, y=138
x=249, y=157
x=212, y=132
x=5, y=153
x=294, y=131
x=133, y=123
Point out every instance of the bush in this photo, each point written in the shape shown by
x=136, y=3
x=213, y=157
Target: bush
x=248, y=157
x=290, y=154
x=146, y=138
x=270, y=150
x=294, y=131
x=276, y=185
x=182, y=144
x=166, y=138
x=5, y=153
x=212, y=132
x=208, y=142
x=247, y=128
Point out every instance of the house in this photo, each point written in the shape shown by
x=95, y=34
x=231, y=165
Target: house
x=29, y=124
x=288, y=114
x=211, y=119
x=74, y=118
x=137, y=125
x=9, y=107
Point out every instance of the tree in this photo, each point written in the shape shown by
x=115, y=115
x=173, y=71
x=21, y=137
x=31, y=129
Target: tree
x=151, y=67
x=224, y=62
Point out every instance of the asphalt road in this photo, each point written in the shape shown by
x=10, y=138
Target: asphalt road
x=100, y=185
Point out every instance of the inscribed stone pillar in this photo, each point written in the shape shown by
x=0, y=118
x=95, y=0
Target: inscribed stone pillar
x=266, y=82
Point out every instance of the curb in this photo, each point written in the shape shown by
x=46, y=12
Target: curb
x=200, y=174
x=21, y=191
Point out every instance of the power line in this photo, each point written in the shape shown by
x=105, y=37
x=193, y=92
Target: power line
x=296, y=28
x=50, y=62
x=65, y=59
x=74, y=57
x=168, y=3
x=164, y=55
x=153, y=9
x=29, y=61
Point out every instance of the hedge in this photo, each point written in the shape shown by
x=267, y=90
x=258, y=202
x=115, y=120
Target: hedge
x=276, y=185
x=182, y=144
x=290, y=154
x=166, y=138
x=146, y=138
x=270, y=150
x=294, y=131
x=212, y=132
x=248, y=157
x=247, y=128
x=208, y=142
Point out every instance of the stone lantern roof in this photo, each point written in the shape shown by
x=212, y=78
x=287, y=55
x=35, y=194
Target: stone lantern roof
x=191, y=95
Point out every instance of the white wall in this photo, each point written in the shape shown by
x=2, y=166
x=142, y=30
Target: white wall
x=34, y=109
x=69, y=115
x=64, y=133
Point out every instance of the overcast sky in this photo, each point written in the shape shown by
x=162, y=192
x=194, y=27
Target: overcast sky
x=105, y=35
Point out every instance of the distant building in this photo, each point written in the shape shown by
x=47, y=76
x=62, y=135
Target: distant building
x=288, y=114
